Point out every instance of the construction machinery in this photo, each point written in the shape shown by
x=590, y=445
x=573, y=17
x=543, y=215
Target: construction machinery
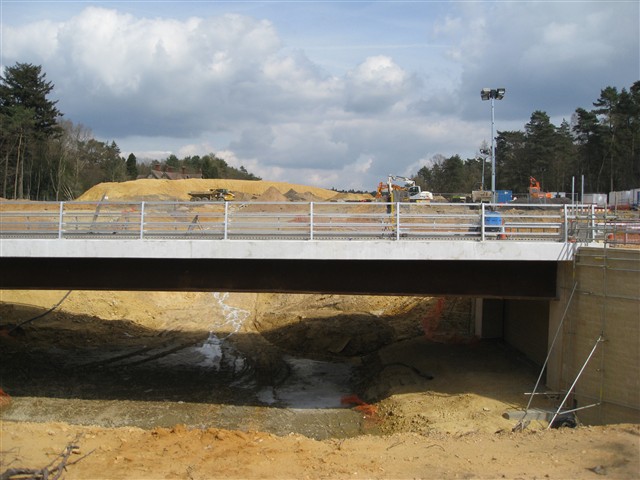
x=212, y=195
x=408, y=192
x=535, y=192
x=481, y=196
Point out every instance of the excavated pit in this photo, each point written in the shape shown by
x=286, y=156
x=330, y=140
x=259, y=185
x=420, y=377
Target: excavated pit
x=320, y=365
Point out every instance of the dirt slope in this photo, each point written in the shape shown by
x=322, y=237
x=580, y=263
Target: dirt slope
x=125, y=453
x=149, y=189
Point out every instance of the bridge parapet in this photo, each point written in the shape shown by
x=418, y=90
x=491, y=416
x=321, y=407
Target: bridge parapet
x=347, y=248
x=300, y=221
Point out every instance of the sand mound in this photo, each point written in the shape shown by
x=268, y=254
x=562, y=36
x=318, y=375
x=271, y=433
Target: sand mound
x=294, y=196
x=351, y=197
x=310, y=197
x=272, y=194
x=178, y=190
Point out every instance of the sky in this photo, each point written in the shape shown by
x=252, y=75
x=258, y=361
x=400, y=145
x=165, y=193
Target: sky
x=336, y=94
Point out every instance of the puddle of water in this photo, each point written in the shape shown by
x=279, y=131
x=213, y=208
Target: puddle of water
x=211, y=350
x=318, y=424
x=215, y=353
x=311, y=384
x=307, y=401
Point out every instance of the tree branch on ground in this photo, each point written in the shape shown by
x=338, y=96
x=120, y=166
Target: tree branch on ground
x=52, y=471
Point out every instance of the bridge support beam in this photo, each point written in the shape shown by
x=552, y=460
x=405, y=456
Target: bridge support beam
x=497, y=279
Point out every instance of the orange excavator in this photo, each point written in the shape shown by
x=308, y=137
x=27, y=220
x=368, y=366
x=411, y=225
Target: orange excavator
x=535, y=191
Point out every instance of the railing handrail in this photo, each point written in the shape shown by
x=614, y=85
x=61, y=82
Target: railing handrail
x=312, y=220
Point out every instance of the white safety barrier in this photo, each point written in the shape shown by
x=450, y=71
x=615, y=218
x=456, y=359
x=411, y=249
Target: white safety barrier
x=312, y=221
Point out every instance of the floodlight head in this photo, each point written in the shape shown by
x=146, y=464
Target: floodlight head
x=499, y=93
x=485, y=93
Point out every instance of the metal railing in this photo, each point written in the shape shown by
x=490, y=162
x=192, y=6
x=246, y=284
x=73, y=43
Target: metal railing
x=311, y=221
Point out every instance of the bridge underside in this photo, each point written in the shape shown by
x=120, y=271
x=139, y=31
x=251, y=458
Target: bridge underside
x=503, y=279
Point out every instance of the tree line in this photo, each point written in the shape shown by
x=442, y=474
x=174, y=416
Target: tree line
x=46, y=157
x=601, y=145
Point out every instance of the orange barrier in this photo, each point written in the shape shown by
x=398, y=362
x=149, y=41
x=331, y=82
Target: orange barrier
x=430, y=325
x=5, y=399
x=431, y=321
x=367, y=409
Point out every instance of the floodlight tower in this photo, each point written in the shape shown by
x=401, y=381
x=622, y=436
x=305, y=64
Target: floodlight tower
x=492, y=94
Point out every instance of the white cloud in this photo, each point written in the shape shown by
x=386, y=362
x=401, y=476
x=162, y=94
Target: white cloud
x=37, y=40
x=376, y=85
x=239, y=87
x=554, y=56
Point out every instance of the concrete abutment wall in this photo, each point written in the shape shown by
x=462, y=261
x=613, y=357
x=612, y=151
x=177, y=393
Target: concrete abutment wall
x=598, y=299
x=600, y=292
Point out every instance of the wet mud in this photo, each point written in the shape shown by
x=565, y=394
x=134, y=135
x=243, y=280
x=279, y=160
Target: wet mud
x=316, y=376
x=85, y=370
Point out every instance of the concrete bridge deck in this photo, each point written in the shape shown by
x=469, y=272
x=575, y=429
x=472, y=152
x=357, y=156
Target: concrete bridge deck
x=288, y=247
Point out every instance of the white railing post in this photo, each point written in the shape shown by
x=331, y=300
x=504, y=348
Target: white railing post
x=566, y=223
x=398, y=221
x=482, y=221
x=592, y=223
x=226, y=220
x=310, y=220
x=142, y=221
x=61, y=212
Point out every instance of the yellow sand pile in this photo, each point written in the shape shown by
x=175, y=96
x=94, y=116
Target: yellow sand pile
x=352, y=197
x=178, y=190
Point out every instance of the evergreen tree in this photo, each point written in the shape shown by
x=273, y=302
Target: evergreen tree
x=590, y=151
x=606, y=110
x=28, y=119
x=132, y=167
x=539, y=148
x=25, y=85
x=564, y=158
x=512, y=166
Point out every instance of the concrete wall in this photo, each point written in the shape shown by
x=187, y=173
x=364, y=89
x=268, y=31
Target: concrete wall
x=490, y=318
x=522, y=324
x=525, y=327
x=605, y=301
x=598, y=294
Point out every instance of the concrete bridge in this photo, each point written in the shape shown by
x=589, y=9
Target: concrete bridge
x=347, y=248
x=539, y=278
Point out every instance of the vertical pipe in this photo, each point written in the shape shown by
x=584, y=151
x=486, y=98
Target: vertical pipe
x=493, y=153
x=398, y=221
x=310, y=220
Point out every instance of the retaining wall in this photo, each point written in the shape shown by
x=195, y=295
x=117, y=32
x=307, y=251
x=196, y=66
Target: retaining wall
x=600, y=292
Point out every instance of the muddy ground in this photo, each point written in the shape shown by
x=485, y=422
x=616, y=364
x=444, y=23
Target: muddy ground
x=211, y=385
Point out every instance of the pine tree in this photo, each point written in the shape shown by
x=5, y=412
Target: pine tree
x=28, y=119
x=132, y=167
